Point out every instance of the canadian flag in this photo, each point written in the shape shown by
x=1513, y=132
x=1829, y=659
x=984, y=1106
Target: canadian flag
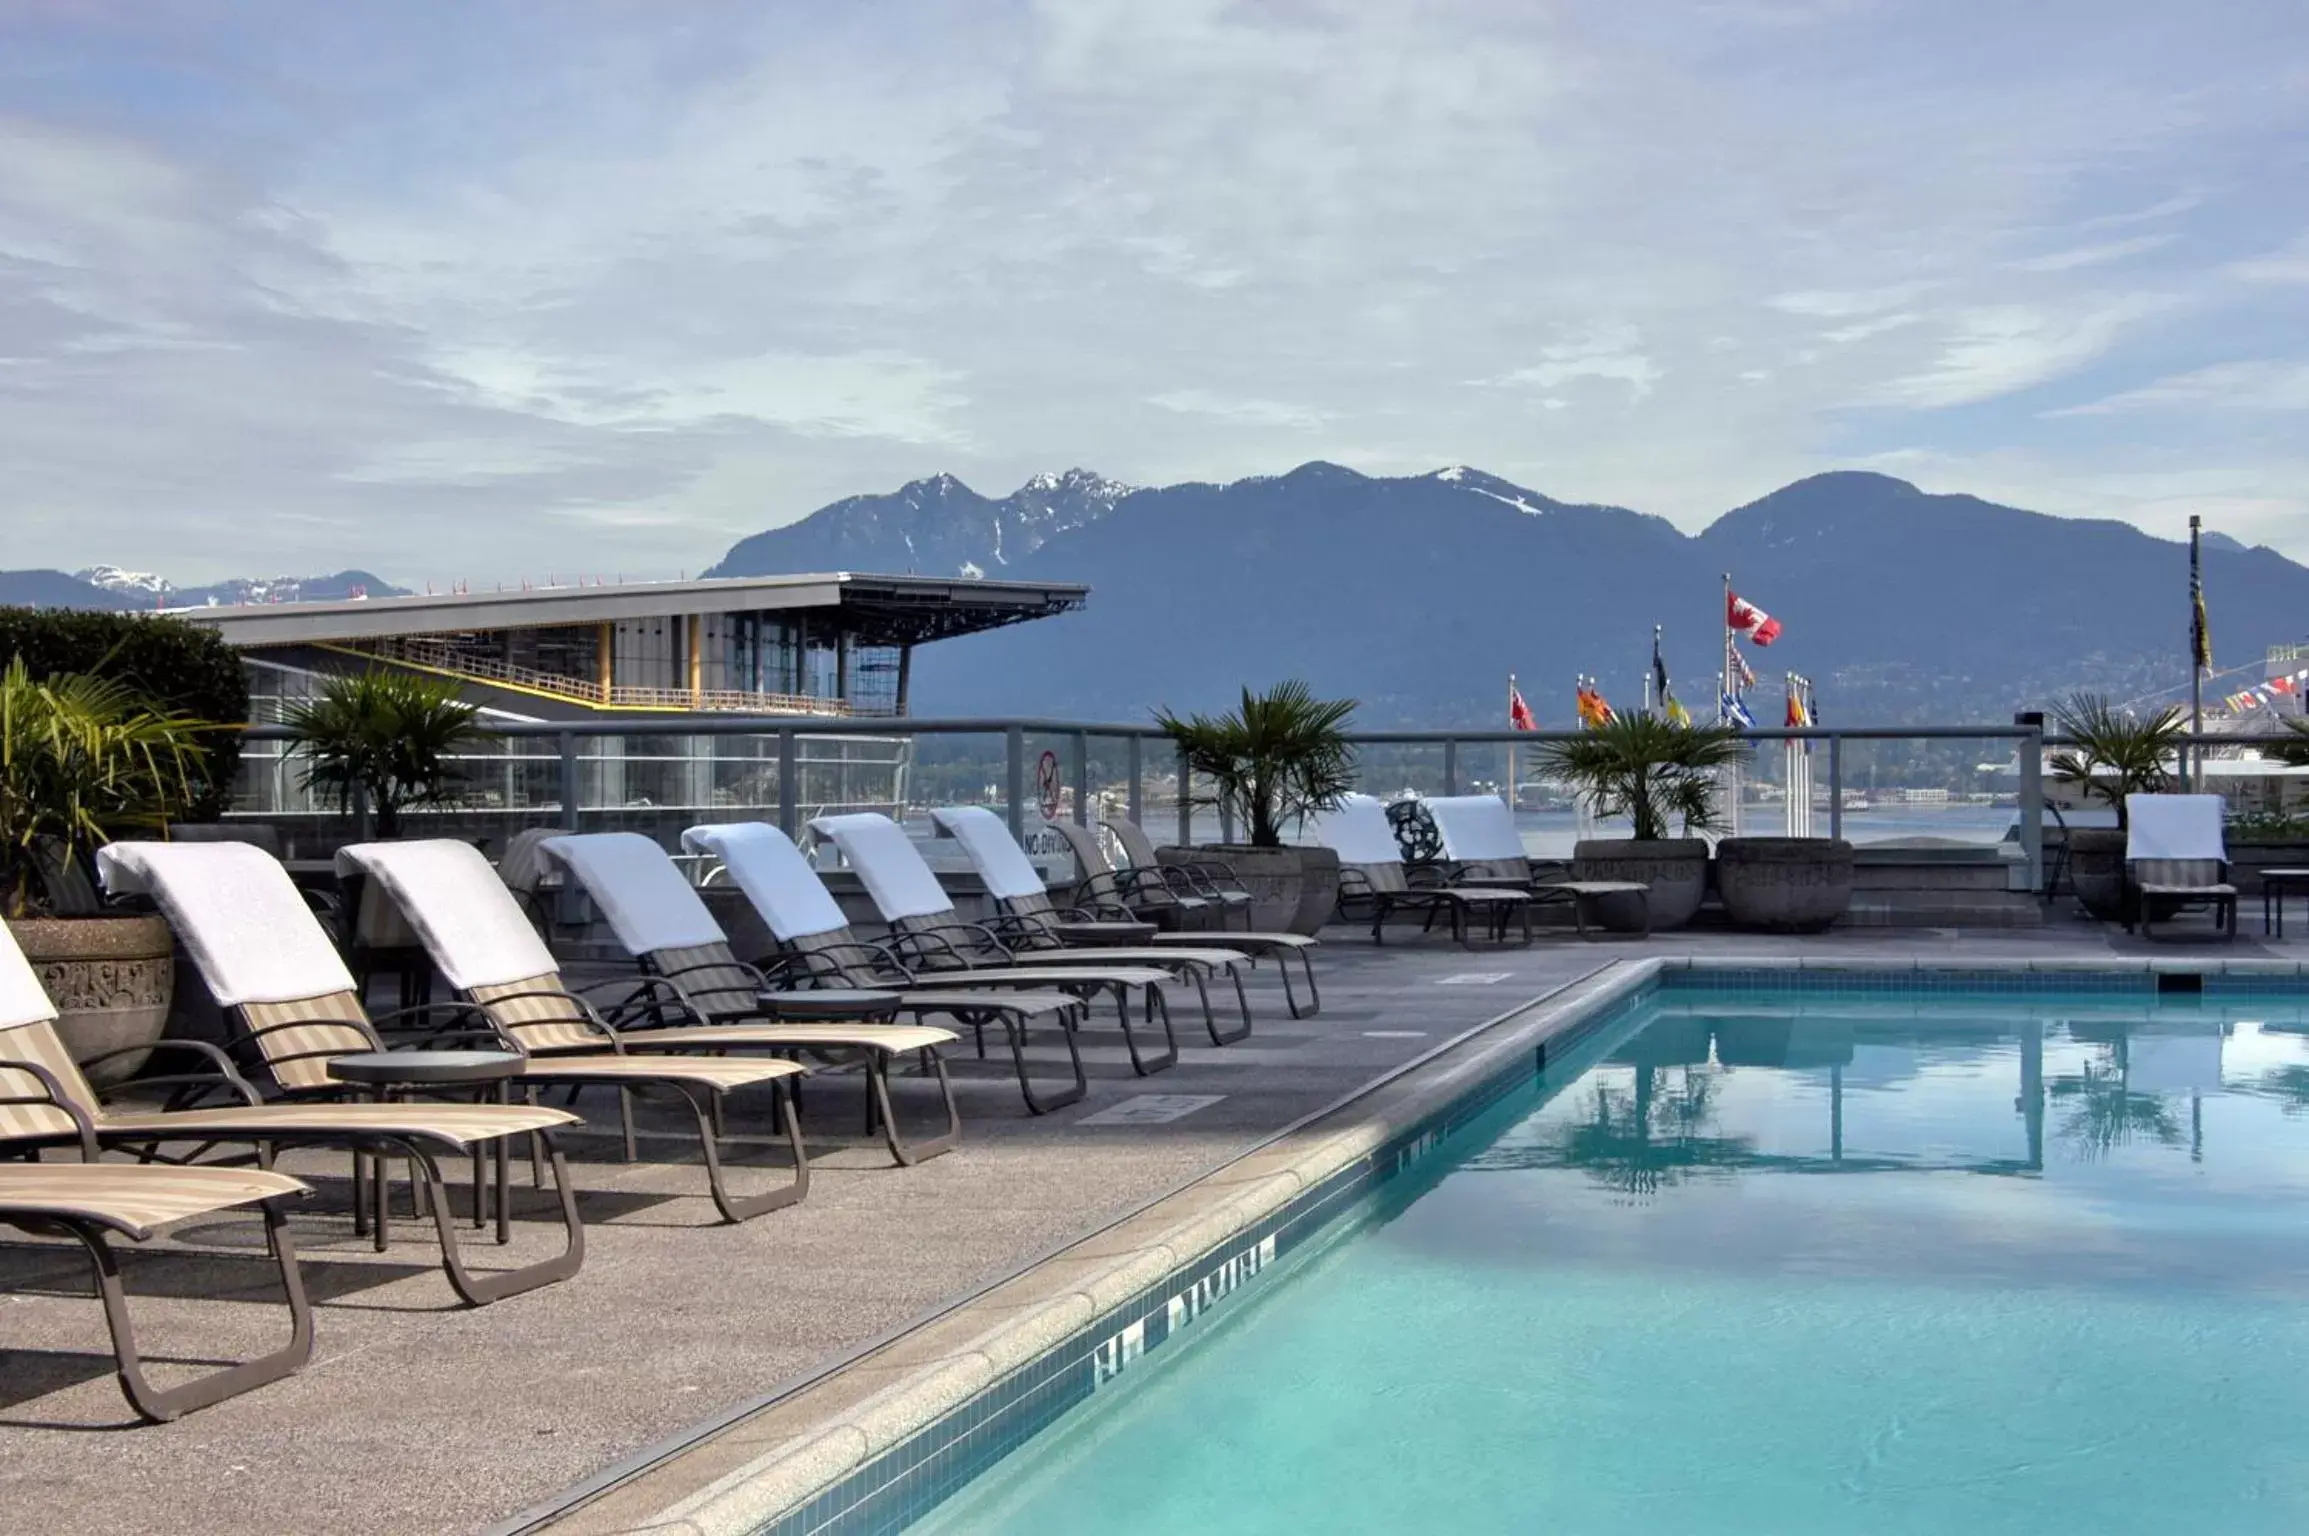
x=1744, y=617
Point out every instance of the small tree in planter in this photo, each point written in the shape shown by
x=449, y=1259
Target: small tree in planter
x=1278, y=758
x=2111, y=753
x=385, y=735
x=1662, y=777
x=84, y=760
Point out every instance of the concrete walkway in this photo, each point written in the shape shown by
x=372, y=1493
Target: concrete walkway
x=417, y=1415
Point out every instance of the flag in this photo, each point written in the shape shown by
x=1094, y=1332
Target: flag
x=1593, y=711
x=1796, y=720
x=1745, y=618
x=1659, y=671
x=1519, y=717
x=1743, y=679
x=1734, y=711
x=2281, y=685
x=1677, y=714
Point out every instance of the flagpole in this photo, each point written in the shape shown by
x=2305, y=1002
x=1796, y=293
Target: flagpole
x=1724, y=690
x=1511, y=784
x=2196, y=643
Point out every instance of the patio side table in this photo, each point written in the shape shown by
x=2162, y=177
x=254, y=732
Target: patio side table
x=392, y=1074
x=2275, y=883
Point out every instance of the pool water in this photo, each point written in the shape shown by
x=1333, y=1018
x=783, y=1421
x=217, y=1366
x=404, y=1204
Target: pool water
x=1772, y=1263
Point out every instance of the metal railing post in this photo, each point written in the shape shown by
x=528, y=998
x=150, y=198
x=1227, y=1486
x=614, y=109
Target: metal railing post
x=1137, y=783
x=567, y=743
x=1082, y=778
x=789, y=787
x=1014, y=780
x=1835, y=786
x=2032, y=805
x=1451, y=767
x=1186, y=802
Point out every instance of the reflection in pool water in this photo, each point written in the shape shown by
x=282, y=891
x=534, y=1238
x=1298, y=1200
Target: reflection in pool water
x=1772, y=1263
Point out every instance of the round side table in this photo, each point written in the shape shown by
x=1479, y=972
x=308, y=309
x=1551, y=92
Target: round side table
x=391, y=1074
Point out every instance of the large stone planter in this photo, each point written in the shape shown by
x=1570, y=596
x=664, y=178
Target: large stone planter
x=2096, y=871
x=1784, y=884
x=1676, y=868
x=1293, y=890
x=110, y=978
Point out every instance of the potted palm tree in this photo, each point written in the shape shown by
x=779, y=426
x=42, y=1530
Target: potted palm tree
x=84, y=760
x=2109, y=753
x=1276, y=759
x=385, y=738
x=1662, y=777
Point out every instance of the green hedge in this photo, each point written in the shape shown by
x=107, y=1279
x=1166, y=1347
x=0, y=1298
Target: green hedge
x=177, y=665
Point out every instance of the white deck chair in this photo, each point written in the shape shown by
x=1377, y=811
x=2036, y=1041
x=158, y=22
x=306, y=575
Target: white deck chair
x=1101, y=888
x=1030, y=924
x=700, y=996
x=818, y=948
x=269, y=962
x=1479, y=835
x=2178, y=858
x=932, y=938
x=481, y=942
x=1371, y=869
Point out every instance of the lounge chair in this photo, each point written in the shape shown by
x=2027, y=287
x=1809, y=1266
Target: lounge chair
x=91, y=1201
x=933, y=940
x=482, y=944
x=690, y=976
x=819, y=949
x=1198, y=886
x=2177, y=859
x=1479, y=836
x=1371, y=870
x=1029, y=924
x=50, y=1101
x=1101, y=889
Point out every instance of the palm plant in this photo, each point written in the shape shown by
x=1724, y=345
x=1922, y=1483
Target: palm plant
x=82, y=760
x=1281, y=756
x=2113, y=752
x=386, y=735
x=1648, y=769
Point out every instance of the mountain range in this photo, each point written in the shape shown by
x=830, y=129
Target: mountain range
x=1419, y=595
x=108, y=586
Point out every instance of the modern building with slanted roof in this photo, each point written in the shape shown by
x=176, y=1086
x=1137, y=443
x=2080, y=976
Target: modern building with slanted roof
x=831, y=644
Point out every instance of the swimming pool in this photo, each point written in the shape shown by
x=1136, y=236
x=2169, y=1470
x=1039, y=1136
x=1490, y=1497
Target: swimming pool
x=1769, y=1252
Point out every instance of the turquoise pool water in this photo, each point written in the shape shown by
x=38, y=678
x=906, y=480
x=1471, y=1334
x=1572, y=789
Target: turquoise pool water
x=1778, y=1264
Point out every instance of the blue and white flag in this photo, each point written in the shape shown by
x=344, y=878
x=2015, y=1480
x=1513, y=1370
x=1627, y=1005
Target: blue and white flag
x=1735, y=710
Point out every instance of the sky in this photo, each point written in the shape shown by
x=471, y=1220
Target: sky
x=475, y=290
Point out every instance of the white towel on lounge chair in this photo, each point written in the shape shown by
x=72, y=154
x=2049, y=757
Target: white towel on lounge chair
x=640, y=892
x=471, y=924
x=888, y=864
x=2174, y=827
x=1357, y=831
x=1476, y=828
x=22, y=999
x=1009, y=874
x=237, y=914
x=775, y=875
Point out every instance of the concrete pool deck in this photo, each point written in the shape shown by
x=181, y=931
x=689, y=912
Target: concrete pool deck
x=416, y=1415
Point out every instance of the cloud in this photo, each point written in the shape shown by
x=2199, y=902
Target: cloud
x=341, y=289
x=2257, y=386
x=1257, y=413
x=2002, y=350
x=2094, y=255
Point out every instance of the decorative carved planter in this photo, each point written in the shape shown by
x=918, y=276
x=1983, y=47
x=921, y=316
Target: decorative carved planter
x=1676, y=868
x=111, y=979
x=1293, y=890
x=2096, y=871
x=1784, y=884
